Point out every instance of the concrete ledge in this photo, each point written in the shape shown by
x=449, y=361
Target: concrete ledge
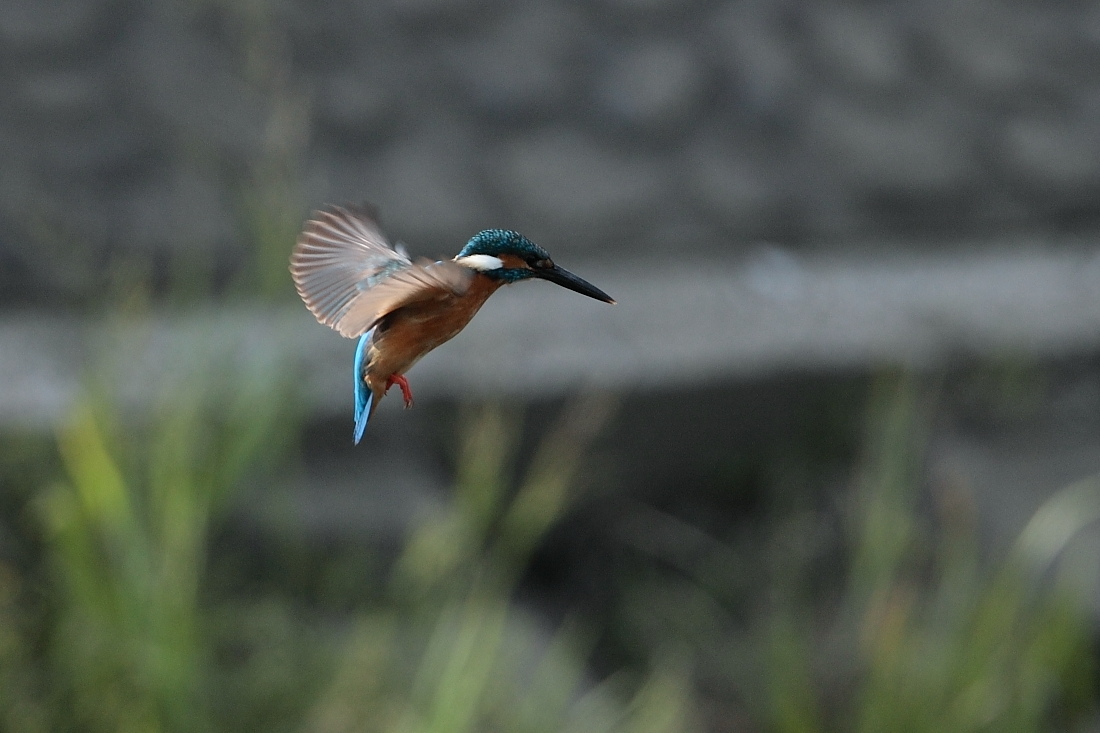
x=680, y=322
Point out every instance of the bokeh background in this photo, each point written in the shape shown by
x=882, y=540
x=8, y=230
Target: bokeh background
x=830, y=464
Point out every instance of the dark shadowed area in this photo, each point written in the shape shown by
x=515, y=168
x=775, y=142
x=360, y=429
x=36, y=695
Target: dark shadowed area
x=831, y=463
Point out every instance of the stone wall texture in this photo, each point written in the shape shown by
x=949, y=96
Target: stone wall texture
x=144, y=134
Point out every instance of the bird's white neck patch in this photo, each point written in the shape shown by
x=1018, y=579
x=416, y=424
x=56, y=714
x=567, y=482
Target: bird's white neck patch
x=481, y=263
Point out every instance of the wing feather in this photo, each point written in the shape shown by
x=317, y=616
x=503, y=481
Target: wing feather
x=423, y=281
x=350, y=276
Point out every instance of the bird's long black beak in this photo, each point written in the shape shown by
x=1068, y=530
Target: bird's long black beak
x=567, y=279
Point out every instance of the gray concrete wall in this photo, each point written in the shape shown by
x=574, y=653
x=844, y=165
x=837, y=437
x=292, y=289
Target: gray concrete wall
x=141, y=131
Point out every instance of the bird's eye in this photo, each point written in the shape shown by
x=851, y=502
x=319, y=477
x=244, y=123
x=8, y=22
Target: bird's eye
x=544, y=264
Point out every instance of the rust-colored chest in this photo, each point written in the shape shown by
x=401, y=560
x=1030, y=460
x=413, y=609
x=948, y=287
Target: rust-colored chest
x=411, y=332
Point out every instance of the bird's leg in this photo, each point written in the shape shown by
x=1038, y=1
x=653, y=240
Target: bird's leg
x=403, y=383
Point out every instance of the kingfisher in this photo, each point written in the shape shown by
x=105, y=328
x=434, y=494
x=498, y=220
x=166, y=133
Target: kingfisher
x=353, y=280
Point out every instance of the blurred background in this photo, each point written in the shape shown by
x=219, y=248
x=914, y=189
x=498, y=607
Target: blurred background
x=832, y=462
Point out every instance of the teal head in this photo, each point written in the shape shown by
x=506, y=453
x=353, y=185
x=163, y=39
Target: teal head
x=509, y=256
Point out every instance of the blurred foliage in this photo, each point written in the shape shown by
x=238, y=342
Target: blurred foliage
x=923, y=635
x=945, y=643
x=876, y=608
x=919, y=633
x=124, y=630
x=871, y=608
x=450, y=652
x=124, y=533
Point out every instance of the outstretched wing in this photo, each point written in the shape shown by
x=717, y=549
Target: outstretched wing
x=350, y=276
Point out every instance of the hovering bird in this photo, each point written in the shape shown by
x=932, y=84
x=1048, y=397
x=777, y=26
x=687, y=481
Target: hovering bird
x=353, y=280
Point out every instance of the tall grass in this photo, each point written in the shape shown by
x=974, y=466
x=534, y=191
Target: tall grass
x=109, y=620
x=926, y=635
x=127, y=529
x=451, y=652
x=130, y=635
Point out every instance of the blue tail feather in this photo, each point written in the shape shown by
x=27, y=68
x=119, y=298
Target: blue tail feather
x=364, y=398
x=361, y=417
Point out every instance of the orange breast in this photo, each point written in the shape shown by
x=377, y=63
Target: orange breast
x=413, y=331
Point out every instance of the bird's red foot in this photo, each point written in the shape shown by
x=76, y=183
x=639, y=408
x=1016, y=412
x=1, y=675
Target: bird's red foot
x=403, y=383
